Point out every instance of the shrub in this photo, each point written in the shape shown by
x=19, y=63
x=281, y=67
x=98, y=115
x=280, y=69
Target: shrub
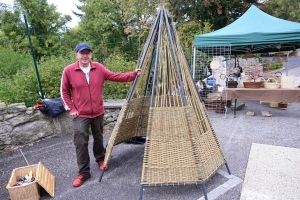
x=11, y=62
x=51, y=71
x=24, y=86
x=115, y=90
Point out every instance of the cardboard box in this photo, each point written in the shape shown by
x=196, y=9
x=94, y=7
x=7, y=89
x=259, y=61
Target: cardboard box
x=31, y=190
x=273, y=104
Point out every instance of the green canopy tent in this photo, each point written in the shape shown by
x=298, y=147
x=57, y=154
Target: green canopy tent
x=254, y=31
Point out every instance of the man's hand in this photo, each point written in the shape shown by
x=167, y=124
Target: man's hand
x=138, y=71
x=74, y=114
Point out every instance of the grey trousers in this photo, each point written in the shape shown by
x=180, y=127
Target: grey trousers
x=81, y=140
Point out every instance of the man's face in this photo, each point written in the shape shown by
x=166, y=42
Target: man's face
x=84, y=57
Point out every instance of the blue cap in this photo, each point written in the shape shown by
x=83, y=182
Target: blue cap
x=83, y=46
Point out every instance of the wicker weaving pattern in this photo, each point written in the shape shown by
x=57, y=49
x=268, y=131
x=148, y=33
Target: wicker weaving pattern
x=164, y=104
x=169, y=154
x=206, y=145
x=46, y=179
x=132, y=121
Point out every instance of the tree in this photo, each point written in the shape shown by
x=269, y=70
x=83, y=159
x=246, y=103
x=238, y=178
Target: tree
x=100, y=21
x=137, y=17
x=137, y=20
x=46, y=26
x=219, y=13
x=13, y=28
x=284, y=9
x=186, y=32
x=115, y=25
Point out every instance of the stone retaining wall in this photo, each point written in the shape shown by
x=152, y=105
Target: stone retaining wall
x=20, y=125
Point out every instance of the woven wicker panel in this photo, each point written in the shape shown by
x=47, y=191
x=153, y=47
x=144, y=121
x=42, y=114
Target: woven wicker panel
x=169, y=155
x=168, y=101
x=178, y=150
x=206, y=145
x=217, y=157
x=143, y=117
x=46, y=179
x=132, y=121
x=129, y=121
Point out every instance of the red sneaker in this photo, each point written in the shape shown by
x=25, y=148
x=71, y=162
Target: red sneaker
x=101, y=165
x=79, y=180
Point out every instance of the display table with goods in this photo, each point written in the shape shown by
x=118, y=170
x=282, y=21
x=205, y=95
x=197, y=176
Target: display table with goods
x=288, y=95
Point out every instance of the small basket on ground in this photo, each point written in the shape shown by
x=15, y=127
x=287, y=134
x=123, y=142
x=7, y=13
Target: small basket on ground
x=31, y=191
x=271, y=85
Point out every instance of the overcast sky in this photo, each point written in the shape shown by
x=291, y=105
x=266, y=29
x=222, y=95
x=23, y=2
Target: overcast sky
x=62, y=6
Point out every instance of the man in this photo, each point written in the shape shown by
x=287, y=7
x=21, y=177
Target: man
x=81, y=92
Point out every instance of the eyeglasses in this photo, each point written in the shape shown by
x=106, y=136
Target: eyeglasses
x=85, y=53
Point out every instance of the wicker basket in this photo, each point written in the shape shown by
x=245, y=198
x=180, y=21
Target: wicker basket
x=31, y=190
x=271, y=85
x=252, y=84
x=282, y=105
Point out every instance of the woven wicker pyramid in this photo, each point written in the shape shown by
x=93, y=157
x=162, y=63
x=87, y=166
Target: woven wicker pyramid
x=163, y=105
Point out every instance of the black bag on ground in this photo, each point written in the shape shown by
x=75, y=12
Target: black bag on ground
x=52, y=107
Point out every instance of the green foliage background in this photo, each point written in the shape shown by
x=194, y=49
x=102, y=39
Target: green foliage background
x=114, y=90
x=22, y=85
x=19, y=79
x=11, y=62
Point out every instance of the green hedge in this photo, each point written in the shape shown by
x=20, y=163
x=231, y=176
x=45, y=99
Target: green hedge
x=114, y=90
x=24, y=86
x=11, y=62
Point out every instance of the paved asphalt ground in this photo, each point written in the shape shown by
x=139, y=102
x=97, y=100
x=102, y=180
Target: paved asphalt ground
x=122, y=180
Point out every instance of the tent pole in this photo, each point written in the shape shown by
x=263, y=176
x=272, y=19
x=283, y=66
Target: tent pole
x=234, y=60
x=33, y=57
x=149, y=73
x=194, y=63
x=175, y=58
x=143, y=57
x=156, y=57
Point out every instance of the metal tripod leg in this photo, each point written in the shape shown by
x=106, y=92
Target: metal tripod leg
x=101, y=175
x=141, y=192
x=204, y=190
x=227, y=168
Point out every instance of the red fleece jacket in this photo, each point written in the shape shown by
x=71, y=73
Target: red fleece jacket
x=86, y=98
